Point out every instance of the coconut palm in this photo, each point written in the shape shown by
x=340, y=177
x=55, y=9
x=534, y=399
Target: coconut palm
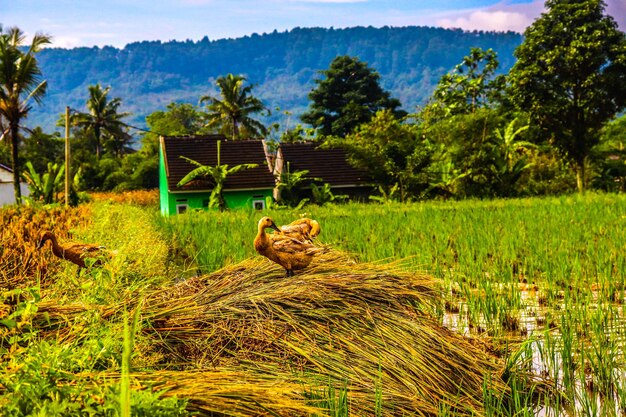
x=103, y=119
x=20, y=84
x=230, y=112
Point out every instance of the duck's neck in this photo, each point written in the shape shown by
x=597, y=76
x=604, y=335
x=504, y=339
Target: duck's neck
x=261, y=237
x=56, y=248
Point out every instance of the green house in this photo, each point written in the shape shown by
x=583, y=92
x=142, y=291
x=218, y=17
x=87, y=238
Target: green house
x=245, y=189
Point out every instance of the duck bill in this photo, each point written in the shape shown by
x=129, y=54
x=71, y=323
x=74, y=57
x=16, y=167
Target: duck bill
x=273, y=226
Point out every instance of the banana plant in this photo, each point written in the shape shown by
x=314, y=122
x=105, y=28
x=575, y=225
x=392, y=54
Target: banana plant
x=323, y=195
x=45, y=187
x=217, y=174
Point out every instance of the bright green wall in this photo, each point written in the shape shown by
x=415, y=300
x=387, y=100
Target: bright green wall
x=163, y=193
x=234, y=199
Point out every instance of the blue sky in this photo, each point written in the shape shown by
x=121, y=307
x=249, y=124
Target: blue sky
x=118, y=22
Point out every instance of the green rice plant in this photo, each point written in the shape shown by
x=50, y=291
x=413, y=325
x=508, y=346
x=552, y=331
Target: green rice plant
x=568, y=361
x=19, y=307
x=129, y=337
x=604, y=350
x=225, y=330
x=331, y=400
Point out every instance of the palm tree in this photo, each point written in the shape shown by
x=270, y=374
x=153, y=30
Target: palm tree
x=103, y=119
x=230, y=113
x=20, y=83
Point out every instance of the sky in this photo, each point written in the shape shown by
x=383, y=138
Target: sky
x=75, y=23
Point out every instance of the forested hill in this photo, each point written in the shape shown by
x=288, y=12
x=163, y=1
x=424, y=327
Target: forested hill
x=149, y=75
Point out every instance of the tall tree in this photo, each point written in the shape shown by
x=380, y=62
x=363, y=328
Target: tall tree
x=349, y=96
x=20, y=83
x=103, y=120
x=231, y=111
x=471, y=85
x=570, y=76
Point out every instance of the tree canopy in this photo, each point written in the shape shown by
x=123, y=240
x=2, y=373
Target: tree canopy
x=471, y=85
x=103, y=122
x=348, y=96
x=570, y=76
x=231, y=112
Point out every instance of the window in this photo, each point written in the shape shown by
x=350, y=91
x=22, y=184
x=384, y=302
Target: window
x=258, y=204
x=181, y=208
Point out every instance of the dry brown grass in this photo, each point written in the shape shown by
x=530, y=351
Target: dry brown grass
x=21, y=264
x=135, y=197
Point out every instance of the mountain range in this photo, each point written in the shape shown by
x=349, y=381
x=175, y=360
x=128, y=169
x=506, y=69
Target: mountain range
x=282, y=66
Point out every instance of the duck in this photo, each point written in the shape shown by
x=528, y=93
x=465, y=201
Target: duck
x=304, y=229
x=288, y=252
x=76, y=253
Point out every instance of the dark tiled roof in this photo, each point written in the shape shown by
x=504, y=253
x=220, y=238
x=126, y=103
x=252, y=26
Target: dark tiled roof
x=328, y=164
x=203, y=149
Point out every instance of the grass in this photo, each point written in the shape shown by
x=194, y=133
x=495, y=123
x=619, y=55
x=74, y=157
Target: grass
x=531, y=292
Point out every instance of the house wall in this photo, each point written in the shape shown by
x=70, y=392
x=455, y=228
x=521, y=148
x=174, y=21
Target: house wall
x=200, y=200
x=234, y=200
x=163, y=193
x=7, y=195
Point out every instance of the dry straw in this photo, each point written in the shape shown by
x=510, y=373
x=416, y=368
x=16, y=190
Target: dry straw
x=363, y=326
x=21, y=264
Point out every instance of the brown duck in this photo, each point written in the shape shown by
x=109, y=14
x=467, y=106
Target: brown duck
x=74, y=252
x=304, y=230
x=288, y=252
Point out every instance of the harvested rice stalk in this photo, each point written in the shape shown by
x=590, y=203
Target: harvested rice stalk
x=368, y=325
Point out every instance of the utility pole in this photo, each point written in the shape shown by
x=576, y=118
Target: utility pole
x=67, y=156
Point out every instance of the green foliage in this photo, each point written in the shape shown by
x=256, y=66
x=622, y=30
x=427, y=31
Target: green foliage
x=447, y=177
x=323, y=194
x=46, y=187
x=392, y=153
x=570, y=76
x=387, y=195
x=609, y=157
x=20, y=84
x=409, y=59
x=217, y=174
x=471, y=85
x=349, y=95
x=41, y=148
x=477, y=158
x=103, y=124
x=230, y=113
x=512, y=158
x=44, y=379
x=180, y=119
x=16, y=327
x=297, y=134
x=290, y=185
x=332, y=400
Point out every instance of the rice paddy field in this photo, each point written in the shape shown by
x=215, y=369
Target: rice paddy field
x=482, y=308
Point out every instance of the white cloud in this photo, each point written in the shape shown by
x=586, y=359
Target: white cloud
x=502, y=16
x=67, y=41
x=489, y=21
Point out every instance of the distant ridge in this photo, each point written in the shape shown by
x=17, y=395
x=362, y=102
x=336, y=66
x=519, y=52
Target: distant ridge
x=149, y=75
